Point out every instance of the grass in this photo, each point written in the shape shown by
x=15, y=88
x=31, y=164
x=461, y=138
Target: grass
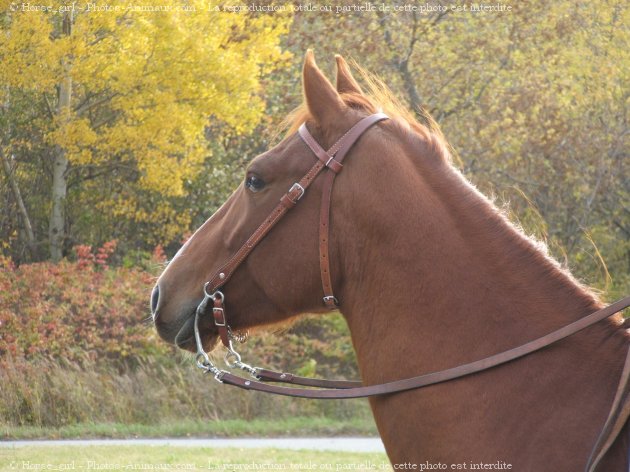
x=52, y=395
x=292, y=426
x=177, y=458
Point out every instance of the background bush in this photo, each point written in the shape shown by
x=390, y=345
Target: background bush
x=77, y=345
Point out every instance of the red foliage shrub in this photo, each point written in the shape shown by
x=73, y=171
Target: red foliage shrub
x=103, y=253
x=85, y=258
x=73, y=309
x=74, y=348
x=86, y=311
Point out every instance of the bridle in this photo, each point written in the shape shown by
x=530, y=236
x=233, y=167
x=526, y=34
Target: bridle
x=331, y=161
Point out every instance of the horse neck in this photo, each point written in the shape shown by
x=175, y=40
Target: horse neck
x=446, y=279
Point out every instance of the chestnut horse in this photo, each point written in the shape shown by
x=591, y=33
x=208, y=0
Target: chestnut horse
x=429, y=275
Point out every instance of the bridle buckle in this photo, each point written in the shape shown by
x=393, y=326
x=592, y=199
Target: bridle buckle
x=220, y=311
x=296, y=187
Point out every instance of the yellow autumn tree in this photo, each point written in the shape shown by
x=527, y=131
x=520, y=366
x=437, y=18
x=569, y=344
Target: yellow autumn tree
x=126, y=93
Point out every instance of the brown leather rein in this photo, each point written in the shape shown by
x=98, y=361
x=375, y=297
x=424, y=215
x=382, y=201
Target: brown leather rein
x=331, y=161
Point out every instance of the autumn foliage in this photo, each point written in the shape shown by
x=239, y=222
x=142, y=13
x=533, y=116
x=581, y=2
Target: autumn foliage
x=77, y=345
x=75, y=310
x=85, y=310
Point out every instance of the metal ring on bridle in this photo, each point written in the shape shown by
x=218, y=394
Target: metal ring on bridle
x=203, y=361
x=217, y=295
x=236, y=359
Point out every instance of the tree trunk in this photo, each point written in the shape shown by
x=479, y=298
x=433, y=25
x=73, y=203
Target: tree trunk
x=28, y=228
x=15, y=188
x=56, y=227
x=401, y=63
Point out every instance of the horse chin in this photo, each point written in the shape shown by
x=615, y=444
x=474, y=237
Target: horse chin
x=185, y=338
x=210, y=342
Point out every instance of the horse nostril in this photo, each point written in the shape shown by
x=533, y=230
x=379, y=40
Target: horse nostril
x=155, y=296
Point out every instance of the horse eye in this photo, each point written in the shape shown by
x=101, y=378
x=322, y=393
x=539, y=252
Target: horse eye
x=254, y=183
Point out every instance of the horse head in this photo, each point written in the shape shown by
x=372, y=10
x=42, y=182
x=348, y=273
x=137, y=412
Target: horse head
x=280, y=278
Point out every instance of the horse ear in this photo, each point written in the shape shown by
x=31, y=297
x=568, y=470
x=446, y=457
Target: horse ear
x=322, y=99
x=345, y=81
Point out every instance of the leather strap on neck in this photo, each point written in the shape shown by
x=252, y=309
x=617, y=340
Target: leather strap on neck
x=346, y=391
